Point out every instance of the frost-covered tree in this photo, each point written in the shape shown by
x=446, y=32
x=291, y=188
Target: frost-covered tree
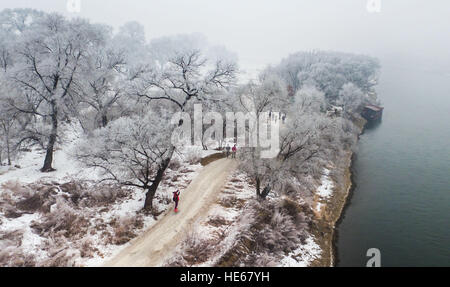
x=328, y=71
x=13, y=124
x=103, y=82
x=130, y=42
x=48, y=56
x=266, y=95
x=7, y=121
x=301, y=138
x=188, y=77
x=131, y=151
x=309, y=99
x=351, y=98
x=16, y=21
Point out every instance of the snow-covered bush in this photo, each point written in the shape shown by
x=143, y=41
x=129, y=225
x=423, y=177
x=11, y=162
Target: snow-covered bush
x=193, y=250
x=193, y=155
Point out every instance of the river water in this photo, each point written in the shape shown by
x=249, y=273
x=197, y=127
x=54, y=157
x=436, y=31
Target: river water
x=401, y=202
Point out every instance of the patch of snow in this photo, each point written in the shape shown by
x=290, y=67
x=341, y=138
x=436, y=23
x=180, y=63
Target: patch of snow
x=319, y=205
x=66, y=167
x=31, y=242
x=303, y=255
x=325, y=190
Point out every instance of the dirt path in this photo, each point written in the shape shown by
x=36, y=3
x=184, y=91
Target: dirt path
x=158, y=242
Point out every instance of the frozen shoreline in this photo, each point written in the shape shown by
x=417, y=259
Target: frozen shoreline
x=333, y=209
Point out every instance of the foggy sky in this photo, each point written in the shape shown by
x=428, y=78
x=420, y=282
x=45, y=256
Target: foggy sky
x=262, y=32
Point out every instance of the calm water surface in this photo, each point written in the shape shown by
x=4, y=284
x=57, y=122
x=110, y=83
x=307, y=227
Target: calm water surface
x=401, y=203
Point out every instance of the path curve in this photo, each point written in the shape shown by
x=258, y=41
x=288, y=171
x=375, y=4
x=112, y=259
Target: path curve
x=158, y=242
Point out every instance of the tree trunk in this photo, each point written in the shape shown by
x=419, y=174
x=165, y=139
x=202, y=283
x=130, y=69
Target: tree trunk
x=104, y=120
x=258, y=187
x=148, y=205
x=265, y=192
x=8, y=150
x=51, y=141
x=151, y=191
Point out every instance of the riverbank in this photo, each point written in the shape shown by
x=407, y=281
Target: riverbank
x=324, y=227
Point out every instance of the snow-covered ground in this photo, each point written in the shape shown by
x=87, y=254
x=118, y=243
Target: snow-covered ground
x=30, y=163
x=303, y=255
x=224, y=223
x=101, y=219
x=325, y=189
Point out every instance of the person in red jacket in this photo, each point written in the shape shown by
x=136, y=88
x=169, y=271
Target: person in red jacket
x=176, y=198
x=234, y=149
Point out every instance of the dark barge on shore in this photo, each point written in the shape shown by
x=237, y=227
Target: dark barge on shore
x=372, y=113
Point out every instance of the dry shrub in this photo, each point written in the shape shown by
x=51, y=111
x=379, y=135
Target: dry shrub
x=16, y=188
x=238, y=186
x=277, y=229
x=262, y=260
x=34, y=202
x=291, y=208
x=125, y=227
x=194, y=156
x=290, y=188
x=281, y=229
x=96, y=195
x=231, y=202
x=63, y=258
x=11, y=212
x=15, y=257
x=218, y=221
x=87, y=250
x=193, y=251
x=164, y=198
x=11, y=239
x=186, y=170
x=41, y=196
x=235, y=180
x=174, y=164
x=64, y=220
x=17, y=199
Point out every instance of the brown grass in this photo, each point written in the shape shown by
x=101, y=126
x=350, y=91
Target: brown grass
x=277, y=229
x=174, y=164
x=186, y=170
x=235, y=180
x=193, y=251
x=218, y=220
x=124, y=229
x=232, y=202
x=66, y=222
x=15, y=257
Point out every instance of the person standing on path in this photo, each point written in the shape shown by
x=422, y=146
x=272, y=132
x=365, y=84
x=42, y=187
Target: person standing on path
x=234, y=151
x=176, y=198
x=228, y=150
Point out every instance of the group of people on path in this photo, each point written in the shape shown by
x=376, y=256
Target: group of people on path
x=233, y=151
x=273, y=116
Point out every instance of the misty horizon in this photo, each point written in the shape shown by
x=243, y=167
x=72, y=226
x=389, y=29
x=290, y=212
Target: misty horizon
x=262, y=33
